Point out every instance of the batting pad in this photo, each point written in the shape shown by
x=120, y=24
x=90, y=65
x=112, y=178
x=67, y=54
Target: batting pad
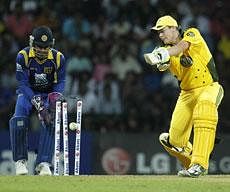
x=205, y=121
x=182, y=154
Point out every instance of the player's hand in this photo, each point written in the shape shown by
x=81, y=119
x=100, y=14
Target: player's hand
x=47, y=113
x=163, y=67
x=163, y=54
x=45, y=116
x=152, y=58
x=52, y=98
x=37, y=102
x=158, y=56
x=43, y=113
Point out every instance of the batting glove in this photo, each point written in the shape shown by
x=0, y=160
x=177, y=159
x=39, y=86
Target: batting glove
x=163, y=54
x=163, y=67
x=152, y=58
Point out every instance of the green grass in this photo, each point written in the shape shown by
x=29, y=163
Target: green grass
x=128, y=183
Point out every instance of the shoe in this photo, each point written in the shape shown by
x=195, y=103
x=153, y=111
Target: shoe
x=21, y=167
x=195, y=170
x=43, y=169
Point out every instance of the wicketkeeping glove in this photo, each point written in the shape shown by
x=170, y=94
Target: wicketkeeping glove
x=43, y=113
x=37, y=102
x=45, y=116
x=53, y=97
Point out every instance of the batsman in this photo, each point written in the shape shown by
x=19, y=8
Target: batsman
x=187, y=56
x=40, y=72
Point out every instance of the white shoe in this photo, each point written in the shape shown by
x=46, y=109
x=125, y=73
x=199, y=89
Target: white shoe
x=195, y=170
x=21, y=167
x=43, y=169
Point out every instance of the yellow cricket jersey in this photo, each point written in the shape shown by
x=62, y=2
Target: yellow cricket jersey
x=202, y=72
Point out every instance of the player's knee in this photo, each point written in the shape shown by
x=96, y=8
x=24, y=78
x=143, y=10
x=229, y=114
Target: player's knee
x=205, y=115
x=19, y=122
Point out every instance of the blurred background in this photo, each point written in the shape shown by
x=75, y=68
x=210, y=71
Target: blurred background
x=124, y=99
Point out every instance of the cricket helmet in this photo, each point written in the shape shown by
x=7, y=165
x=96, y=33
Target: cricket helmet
x=42, y=36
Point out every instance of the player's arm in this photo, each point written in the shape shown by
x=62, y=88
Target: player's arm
x=161, y=56
x=22, y=76
x=60, y=79
x=180, y=47
x=166, y=53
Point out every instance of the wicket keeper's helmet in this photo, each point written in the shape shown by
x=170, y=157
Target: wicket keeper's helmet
x=42, y=37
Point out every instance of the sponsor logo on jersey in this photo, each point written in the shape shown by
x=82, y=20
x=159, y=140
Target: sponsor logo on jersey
x=40, y=79
x=18, y=67
x=190, y=34
x=48, y=70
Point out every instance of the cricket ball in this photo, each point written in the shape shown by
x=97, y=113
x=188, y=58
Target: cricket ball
x=73, y=126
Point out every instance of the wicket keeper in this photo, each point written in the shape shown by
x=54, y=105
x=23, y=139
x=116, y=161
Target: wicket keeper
x=40, y=72
x=187, y=56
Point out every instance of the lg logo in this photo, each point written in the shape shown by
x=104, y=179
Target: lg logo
x=116, y=161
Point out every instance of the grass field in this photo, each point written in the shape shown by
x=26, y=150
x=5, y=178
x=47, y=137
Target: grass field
x=128, y=183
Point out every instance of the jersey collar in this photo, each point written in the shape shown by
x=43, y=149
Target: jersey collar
x=32, y=54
